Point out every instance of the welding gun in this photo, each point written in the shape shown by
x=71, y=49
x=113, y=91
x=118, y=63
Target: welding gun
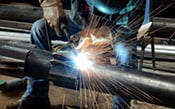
x=64, y=27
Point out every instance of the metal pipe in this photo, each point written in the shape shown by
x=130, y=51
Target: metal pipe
x=20, y=13
x=15, y=26
x=36, y=61
x=144, y=86
x=22, y=37
x=13, y=52
x=160, y=49
x=13, y=84
x=162, y=27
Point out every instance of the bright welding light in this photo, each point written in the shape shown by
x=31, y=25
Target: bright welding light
x=82, y=61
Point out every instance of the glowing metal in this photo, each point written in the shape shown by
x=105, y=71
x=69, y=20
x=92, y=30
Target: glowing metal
x=82, y=61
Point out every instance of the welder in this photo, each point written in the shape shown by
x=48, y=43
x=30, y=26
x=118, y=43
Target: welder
x=124, y=16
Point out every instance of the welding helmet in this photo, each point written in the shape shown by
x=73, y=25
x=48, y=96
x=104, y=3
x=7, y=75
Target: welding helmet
x=109, y=6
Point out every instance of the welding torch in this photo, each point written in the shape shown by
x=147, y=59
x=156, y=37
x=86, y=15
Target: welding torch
x=64, y=27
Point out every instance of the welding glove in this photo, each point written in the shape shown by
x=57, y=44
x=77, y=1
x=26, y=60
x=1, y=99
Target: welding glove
x=53, y=12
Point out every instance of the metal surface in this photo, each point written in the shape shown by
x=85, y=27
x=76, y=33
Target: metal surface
x=162, y=27
x=153, y=53
x=15, y=26
x=13, y=52
x=144, y=86
x=161, y=49
x=20, y=13
x=13, y=84
x=36, y=61
x=144, y=42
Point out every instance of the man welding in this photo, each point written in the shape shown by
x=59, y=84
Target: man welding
x=124, y=17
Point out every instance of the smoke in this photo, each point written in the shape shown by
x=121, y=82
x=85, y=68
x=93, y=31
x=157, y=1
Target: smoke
x=122, y=53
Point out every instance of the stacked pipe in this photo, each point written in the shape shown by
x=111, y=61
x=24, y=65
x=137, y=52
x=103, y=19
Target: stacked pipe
x=162, y=27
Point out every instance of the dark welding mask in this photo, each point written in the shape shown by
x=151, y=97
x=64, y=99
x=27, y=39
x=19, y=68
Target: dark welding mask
x=109, y=6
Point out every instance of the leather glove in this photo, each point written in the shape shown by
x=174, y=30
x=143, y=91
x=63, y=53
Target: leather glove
x=53, y=12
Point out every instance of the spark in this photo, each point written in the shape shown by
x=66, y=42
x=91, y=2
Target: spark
x=95, y=48
x=82, y=61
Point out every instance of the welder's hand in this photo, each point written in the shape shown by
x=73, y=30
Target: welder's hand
x=53, y=14
x=75, y=38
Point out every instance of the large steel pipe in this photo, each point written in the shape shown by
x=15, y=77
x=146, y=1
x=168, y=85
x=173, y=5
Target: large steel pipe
x=36, y=62
x=20, y=13
x=24, y=13
x=144, y=86
x=162, y=27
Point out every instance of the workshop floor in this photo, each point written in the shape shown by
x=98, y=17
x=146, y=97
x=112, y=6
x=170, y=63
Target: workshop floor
x=62, y=98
